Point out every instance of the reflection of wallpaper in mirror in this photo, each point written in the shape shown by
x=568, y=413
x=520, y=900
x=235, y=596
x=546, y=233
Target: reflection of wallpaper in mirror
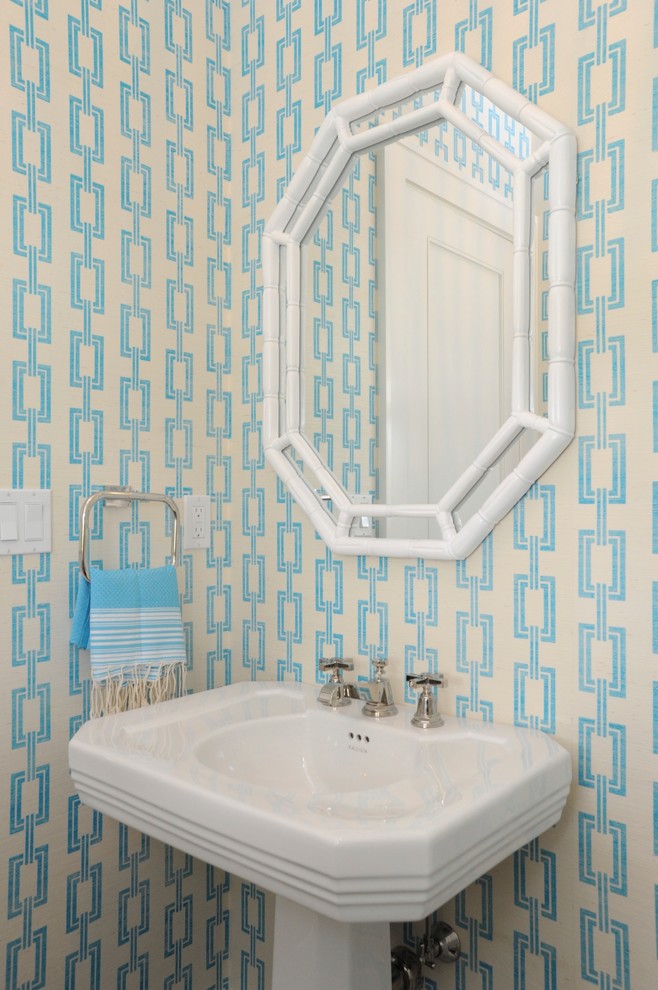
x=340, y=391
x=463, y=156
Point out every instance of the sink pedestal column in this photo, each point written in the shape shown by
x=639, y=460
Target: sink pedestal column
x=313, y=951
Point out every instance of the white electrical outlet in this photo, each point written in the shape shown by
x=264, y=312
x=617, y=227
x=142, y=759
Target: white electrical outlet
x=196, y=522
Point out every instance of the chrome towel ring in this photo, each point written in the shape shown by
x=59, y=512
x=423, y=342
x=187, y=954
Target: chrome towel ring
x=123, y=494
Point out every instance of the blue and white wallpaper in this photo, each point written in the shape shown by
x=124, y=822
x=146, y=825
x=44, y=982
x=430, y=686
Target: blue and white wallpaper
x=146, y=144
x=115, y=284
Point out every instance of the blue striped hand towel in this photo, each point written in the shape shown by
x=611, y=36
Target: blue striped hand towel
x=135, y=636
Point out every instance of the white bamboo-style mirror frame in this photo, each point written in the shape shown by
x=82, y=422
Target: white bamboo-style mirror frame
x=294, y=222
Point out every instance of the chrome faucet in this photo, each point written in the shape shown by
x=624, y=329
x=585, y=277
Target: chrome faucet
x=336, y=692
x=378, y=694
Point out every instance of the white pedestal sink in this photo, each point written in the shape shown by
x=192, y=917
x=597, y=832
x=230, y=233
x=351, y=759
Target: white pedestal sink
x=342, y=817
x=322, y=954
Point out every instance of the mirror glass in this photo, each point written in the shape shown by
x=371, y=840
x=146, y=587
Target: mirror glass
x=407, y=319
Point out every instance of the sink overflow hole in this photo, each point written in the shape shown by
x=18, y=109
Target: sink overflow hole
x=359, y=737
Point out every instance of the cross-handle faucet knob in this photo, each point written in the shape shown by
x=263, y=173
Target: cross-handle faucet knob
x=335, y=666
x=426, y=717
x=336, y=693
x=420, y=680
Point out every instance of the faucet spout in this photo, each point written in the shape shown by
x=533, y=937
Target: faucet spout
x=336, y=693
x=378, y=694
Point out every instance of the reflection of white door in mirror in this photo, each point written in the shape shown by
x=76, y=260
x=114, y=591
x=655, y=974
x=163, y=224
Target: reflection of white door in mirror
x=446, y=331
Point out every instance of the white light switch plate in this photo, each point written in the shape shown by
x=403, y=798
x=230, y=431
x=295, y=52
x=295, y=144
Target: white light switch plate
x=25, y=520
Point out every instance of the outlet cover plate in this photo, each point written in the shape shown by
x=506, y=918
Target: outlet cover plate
x=196, y=522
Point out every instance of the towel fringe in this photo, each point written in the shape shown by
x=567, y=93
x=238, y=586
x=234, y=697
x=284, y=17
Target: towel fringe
x=132, y=688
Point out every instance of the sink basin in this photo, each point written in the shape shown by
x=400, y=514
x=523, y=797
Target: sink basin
x=358, y=820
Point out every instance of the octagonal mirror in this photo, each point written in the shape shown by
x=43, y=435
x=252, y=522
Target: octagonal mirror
x=419, y=312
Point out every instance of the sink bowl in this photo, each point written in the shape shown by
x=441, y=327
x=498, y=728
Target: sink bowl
x=358, y=820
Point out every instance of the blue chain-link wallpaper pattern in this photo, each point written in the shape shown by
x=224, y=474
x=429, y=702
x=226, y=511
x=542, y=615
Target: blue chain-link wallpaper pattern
x=149, y=142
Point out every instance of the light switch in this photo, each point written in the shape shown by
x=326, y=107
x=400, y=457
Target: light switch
x=33, y=521
x=8, y=521
x=25, y=520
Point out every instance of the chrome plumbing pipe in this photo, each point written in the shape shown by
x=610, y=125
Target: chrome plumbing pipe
x=440, y=942
x=406, y=969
